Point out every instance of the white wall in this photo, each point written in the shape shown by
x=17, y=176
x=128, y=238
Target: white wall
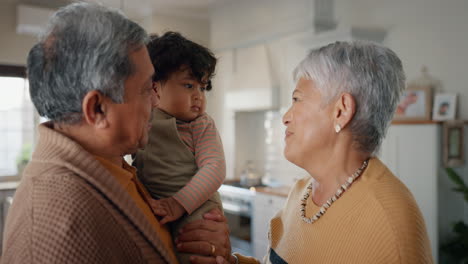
x=250, y=134
x=244, y=21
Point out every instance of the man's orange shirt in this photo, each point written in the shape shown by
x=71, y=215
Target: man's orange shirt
x=126, y=176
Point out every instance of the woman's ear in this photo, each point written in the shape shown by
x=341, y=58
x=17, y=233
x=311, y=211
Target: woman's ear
x=345, y=108
x=94, y=107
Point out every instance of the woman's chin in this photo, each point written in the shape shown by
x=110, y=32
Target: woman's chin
x=288, y=155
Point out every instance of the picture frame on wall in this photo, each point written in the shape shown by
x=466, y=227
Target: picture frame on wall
x=445, y=106
x=453, y=144
x=415, y=104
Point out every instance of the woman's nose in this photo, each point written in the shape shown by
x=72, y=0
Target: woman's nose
x=287, y=117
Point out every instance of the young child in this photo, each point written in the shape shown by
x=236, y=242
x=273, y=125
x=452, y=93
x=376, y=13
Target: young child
x=183, y=164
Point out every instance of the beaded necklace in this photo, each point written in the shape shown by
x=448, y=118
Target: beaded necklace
x=330, y=201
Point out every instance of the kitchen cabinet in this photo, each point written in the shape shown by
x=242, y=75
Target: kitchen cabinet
x=265, y=207
x=412, y=153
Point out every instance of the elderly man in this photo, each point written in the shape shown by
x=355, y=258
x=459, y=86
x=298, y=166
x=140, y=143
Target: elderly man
x=79, y=201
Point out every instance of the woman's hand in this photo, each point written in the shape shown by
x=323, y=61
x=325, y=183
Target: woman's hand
x=208, y=237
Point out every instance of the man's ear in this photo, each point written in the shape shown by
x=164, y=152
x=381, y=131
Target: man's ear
x=94, y=107
x=344, y=110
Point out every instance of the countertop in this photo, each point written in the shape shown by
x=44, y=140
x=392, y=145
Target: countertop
x=10, y=185
x=279, y=191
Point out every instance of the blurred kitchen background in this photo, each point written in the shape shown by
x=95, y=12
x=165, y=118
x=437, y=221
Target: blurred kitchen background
x=258, y=43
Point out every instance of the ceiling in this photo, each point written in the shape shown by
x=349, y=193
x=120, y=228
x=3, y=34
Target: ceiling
x=141, y=8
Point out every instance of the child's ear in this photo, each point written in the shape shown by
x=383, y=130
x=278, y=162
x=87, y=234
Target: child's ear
x=95, y=109
x=157, y=86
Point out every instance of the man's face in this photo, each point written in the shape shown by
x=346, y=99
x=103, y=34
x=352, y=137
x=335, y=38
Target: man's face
x=131, y=120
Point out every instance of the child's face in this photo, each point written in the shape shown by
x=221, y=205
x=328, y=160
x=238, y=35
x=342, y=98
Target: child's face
x=182, y=95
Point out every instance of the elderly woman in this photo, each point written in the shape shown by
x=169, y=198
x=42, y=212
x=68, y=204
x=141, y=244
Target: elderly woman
x=351, y=209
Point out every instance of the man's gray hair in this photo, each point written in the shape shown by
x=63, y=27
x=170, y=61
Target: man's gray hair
x=371, y=73
x=84, y=48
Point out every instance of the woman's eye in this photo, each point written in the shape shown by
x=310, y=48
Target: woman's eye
x=188, y=85
x=295, y=99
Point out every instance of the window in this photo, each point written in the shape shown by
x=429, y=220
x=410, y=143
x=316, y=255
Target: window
x=17, y=122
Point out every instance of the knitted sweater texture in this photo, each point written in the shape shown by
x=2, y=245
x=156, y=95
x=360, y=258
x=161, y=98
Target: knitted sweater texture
x=376, y=220
x=70, y=209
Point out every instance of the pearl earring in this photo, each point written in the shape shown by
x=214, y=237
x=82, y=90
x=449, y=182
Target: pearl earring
x=337, y=128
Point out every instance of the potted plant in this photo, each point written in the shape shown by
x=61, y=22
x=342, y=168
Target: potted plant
x=23, y=157
x=457, y=247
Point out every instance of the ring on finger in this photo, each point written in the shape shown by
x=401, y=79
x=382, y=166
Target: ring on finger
x=213, y=249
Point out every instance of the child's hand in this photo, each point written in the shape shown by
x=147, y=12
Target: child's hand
x=168, y=208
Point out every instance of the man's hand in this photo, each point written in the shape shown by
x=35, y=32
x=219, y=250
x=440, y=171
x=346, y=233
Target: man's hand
x=202, y=236
x=168, y=208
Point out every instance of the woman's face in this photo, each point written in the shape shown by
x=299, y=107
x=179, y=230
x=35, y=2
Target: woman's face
x=309, y=126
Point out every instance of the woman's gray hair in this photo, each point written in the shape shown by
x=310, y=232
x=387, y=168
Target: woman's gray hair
x=85, y=47
x=371, y=73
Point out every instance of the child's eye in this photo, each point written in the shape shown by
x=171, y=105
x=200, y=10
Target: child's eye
x=188, y=85
x=202, y=89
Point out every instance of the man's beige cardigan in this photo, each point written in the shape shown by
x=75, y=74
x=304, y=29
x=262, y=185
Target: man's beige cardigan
x=69, y=209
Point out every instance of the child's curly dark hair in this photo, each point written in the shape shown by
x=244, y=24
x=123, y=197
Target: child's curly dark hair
x=172, y=51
